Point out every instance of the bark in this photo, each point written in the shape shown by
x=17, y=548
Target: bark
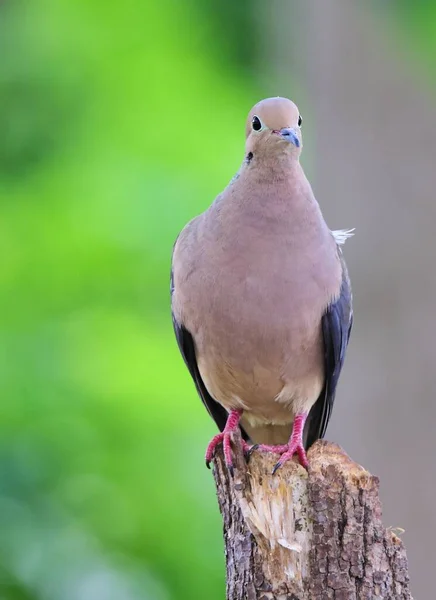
x=301, y=535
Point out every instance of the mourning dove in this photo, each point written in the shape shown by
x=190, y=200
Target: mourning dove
x=261, y=298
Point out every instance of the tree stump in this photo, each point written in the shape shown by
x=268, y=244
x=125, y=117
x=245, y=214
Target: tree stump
x=300, y=535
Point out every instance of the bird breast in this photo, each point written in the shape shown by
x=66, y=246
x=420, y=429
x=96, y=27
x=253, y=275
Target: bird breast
x=253, y=300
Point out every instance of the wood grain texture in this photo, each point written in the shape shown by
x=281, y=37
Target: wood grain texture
x=307, y=536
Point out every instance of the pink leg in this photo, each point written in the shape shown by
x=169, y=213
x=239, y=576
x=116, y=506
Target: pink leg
x=225, y=437
x=294, y=446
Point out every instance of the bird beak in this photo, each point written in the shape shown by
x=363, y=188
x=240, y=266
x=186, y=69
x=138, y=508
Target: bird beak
x=288, y=134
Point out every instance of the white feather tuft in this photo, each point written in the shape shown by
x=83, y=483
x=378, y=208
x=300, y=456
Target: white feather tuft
x=342, y=235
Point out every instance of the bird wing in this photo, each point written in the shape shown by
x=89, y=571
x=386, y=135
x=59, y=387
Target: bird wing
x=186, y=345
x=336, y=328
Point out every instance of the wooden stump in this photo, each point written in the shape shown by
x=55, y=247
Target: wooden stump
x=307, y=536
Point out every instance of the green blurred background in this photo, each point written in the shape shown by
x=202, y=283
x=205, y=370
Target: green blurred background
x=118, y=123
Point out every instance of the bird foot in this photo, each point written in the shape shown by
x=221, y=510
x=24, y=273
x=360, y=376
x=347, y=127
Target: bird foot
x=287, y=451
x=224, y=438
x=294, y=447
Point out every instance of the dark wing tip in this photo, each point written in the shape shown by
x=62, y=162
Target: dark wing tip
x=336, y=328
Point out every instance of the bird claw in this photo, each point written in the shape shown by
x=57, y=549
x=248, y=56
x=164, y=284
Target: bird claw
x=225, y=439
x=276, y=467
x=250, y=451
x=293, y=448
x=210, y=452
x=287, y=451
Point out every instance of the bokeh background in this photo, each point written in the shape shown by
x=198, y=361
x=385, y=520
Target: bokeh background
x=120, y=121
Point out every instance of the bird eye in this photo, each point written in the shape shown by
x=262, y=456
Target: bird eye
x=300, y=120
x=256, y=123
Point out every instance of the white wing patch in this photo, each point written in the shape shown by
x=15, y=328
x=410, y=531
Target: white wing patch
x=342, y=235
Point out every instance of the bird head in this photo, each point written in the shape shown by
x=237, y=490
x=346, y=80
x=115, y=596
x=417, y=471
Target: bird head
x=274, y=128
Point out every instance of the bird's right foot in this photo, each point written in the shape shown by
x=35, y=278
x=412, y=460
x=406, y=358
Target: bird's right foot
x=225, y=438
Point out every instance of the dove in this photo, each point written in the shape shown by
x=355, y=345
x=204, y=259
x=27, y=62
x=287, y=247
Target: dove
x=261, y=299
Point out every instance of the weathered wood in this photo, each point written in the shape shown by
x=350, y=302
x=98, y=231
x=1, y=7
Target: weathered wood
x=307, y=536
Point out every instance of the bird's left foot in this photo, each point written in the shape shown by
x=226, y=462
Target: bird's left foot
x=287, y=451
x=293, y=448
x=295, y=444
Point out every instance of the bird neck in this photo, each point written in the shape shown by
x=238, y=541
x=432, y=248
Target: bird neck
x=281, y=180
x=274, y=169
x=278, y=195
x=281, y=167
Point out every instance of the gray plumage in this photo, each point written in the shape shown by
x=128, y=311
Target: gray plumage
x=261, y=299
